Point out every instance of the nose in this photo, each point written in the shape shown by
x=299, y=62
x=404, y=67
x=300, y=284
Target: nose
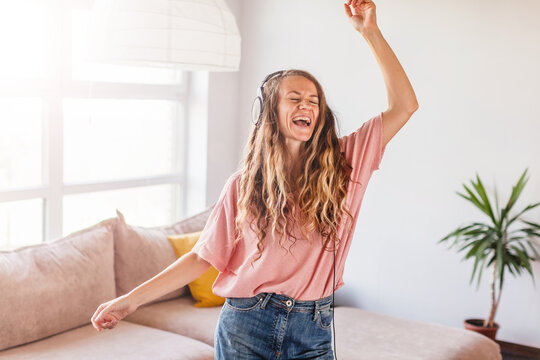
x=306, y=104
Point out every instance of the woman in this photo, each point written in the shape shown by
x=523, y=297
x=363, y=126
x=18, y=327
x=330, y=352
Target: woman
x=282, y=227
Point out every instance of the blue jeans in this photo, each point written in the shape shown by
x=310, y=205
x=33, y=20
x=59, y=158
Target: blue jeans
x=274, y=326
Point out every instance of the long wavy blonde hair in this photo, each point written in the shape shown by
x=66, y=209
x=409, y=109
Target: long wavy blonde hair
x=266, y=187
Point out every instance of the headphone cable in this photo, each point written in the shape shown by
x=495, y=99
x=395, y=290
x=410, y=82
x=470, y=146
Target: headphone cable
x=333, y=307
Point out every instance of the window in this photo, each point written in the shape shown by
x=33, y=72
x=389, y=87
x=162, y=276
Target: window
x=80, y=140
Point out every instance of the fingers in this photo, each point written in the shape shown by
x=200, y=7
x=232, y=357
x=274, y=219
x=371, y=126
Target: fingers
x=102, y=320
x=348, y=10
x=107, y=322
x=98, y=311
x=355, y=5
x=96, y=315
x=359, y=4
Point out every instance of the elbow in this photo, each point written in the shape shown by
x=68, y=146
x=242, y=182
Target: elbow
x=199, y=260
x=409, y=107
x=413, y=107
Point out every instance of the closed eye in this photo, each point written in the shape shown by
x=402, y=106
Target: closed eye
x=313, y=102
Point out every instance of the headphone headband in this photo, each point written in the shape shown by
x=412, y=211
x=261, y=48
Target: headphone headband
x=258, y=103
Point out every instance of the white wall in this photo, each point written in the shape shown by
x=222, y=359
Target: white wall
x=223, y=98
x=474, y=67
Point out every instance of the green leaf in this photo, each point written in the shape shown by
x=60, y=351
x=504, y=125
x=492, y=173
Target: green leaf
x=499, y=255
x=511, y=271
x=517, y=268
x=521, y=213
x=515, y=239
x=533, y=250
x=475, y=232
x=474, y=200
x=531, y=258
x=513, y=197
x=501, y=278
x=534, y=225
x=530, y=232
x=525, y=258
x=497, y=210
x=476, y=261
x=458, y=235
x=455, y=233
x=480, y=244
x=487, y=205
x=516, y=191
x=470, y=243
x=515, y=262
x=481, y=270
x=480, y=256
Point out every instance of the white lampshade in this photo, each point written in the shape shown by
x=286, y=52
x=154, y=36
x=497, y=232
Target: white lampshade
x=186, y=34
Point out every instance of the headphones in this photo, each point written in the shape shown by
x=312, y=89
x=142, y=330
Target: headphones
x=258, y=103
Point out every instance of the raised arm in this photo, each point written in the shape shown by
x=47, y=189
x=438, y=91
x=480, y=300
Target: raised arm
x=402, y=101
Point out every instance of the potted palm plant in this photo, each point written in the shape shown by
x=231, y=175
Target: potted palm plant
x=494, y=245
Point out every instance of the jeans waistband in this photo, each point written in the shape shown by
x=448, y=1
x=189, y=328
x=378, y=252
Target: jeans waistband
x=291, y=303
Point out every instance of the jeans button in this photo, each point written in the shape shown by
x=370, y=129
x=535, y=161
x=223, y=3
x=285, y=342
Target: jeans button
x=289, y=303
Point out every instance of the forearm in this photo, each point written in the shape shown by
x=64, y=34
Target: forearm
x=180, y=273
x=399, y=90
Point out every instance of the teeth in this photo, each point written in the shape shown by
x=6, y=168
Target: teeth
x=305, y=118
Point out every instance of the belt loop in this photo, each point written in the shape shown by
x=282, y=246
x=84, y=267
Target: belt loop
x=316, y=310
x=266, y=298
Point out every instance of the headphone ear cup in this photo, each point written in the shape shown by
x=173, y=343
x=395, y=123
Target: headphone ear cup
x=256, y=110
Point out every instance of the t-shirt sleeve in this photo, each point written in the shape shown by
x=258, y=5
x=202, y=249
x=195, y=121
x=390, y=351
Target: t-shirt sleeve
x=216, y=243
x=364, y=148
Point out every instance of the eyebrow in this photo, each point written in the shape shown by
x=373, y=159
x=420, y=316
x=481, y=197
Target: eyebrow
x=296, y=92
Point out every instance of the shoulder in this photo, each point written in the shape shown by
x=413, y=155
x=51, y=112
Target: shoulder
x=236, y=175
x=234, y=180
x=367, y=126
x=231, y=187
x=367, y=129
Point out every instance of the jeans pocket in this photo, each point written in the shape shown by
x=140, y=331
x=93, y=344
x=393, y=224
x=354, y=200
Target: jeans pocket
x=244, y=304
x=325, y=317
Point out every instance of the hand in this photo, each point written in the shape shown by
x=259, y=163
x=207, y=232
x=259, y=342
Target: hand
x=110, y=313
x=364, y=14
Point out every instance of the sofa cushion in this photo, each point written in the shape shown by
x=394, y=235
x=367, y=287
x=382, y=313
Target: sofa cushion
x=125, y=341
x=201, y=287
x=181, y=317
x=363, y=335
x=141, y=253
x=56, y=286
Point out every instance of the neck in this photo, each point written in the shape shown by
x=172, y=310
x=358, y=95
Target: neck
x=293, y=160
x=293, y=164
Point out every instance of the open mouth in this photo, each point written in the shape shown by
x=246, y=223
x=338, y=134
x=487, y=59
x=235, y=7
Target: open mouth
x=302, y=121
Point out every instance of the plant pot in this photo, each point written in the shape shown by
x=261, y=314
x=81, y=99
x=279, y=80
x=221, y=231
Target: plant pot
x=476, y=326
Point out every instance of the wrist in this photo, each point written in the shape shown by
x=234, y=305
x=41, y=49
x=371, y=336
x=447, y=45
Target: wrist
x=370, y=32
x=134, y=297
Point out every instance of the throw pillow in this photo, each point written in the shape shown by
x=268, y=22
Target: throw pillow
x=200, y=288
x=52, y=287
x=140, y=252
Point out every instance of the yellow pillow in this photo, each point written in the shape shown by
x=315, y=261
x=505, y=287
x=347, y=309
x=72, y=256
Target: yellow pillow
x=200, y=288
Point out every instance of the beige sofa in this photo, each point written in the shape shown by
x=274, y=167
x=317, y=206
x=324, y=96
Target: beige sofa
x=48, y=293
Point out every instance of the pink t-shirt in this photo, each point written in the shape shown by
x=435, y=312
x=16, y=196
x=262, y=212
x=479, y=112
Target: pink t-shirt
x=305, y=272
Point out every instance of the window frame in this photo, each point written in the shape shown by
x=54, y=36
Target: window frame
x=59, y=85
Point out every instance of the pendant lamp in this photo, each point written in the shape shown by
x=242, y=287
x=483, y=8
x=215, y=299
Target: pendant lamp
x=184, y=34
